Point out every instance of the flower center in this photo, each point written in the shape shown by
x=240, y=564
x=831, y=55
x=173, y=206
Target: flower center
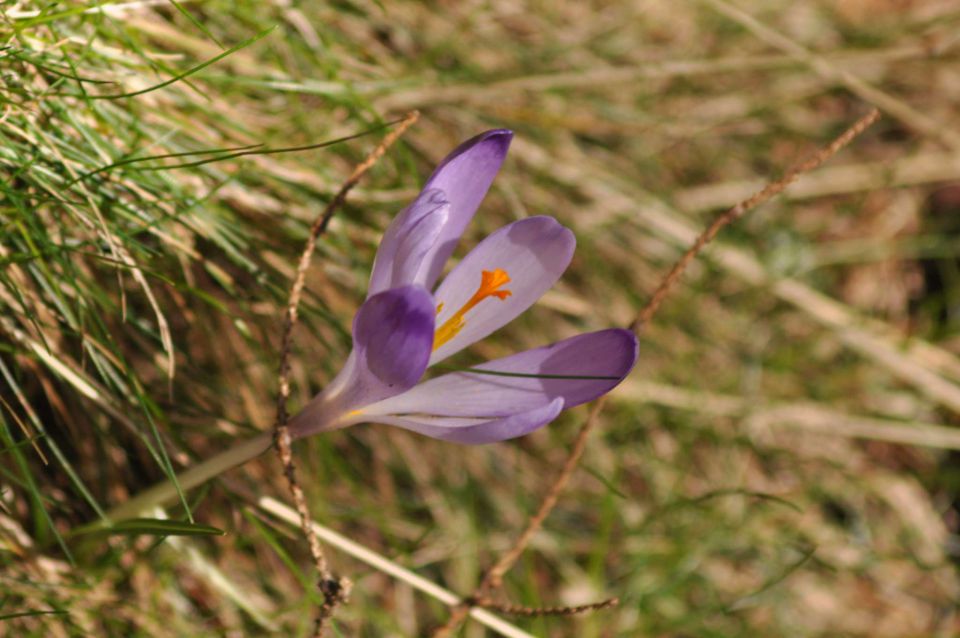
x=490, y=282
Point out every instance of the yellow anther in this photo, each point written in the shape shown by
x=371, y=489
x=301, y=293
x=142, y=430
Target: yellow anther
x=490, y=282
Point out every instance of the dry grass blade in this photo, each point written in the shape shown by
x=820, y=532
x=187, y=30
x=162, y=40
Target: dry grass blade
x=384, y=565
x=894, y=106
x=605, y=76
x=334, y=590
x=916, y=170
x=494, y=576
x=797, y=415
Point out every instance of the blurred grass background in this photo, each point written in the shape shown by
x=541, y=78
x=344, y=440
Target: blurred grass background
x=782, y=461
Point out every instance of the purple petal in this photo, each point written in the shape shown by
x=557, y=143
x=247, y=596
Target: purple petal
x=408, y=240
x=607, y=356
x=392, y=332
x=392, y=339
x=477, y=431
x=464, y=176
x=533, y=252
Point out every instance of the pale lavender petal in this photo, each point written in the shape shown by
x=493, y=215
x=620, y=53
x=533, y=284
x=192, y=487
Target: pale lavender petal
x=605, y=357
x=464, y=176
x=407, y=242
x=477, y=431
x=392, y=339
x=534, y=252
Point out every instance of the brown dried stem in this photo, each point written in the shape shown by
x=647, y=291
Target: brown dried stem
x=493, y=579
x=333, y=588
x=533, y=612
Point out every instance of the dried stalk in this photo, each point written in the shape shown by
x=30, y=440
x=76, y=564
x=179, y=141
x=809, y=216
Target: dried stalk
x=334, y=589
x=535, y=612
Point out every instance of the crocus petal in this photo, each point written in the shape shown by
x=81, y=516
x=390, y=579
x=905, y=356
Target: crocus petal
x=407, y=242
x=464, y=176
x=392, y=339
x=533, y=252
x=477, y=431
x=596, y=363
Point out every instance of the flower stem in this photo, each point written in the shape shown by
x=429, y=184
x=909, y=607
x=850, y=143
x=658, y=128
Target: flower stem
x=166, y=492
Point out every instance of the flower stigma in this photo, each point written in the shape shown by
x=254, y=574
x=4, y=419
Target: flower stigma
x=490, y=282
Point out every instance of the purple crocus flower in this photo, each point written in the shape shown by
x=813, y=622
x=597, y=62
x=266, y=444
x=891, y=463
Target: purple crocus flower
x=402, y=328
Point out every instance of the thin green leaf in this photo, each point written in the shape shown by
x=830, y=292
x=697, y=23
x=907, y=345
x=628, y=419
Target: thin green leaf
x=687, y=502
x=183, y=11
x=151, y=527
x=750, y=598
x=606, y=482
x=226, y=153
x=305, y=580
x=180, y=76
x=497, y=373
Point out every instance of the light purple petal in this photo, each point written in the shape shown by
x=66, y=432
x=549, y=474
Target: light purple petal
x=392, y=339
x=477, y=431
x=607, y=355
x=407, y=242
x=534, y=252
x=464, y=176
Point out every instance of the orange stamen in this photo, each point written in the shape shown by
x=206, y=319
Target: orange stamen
x=490, y=282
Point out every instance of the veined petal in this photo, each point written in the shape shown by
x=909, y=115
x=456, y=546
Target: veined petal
x=532, y=253
x=576, y=370
x=464, y=176
x=407, y=242
x=477, y=431
x=392, y=339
